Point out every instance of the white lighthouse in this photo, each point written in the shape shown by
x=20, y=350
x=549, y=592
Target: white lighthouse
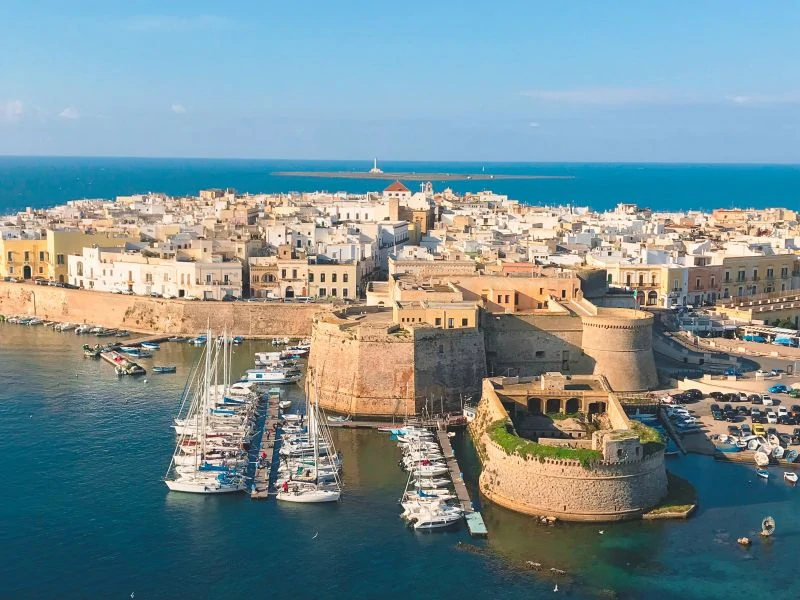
x=375, y=168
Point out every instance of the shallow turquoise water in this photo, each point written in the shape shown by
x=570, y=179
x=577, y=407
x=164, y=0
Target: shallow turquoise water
x=86, y=515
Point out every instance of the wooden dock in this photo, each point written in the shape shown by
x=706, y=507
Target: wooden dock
x=475, y=524
x=270, y=434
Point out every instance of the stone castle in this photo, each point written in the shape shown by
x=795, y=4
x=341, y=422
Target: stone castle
x=602, y=468
x=428, y=341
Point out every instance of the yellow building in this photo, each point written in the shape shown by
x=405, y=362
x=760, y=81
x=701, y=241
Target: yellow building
x=23, y=258
x=754, y=275
x=445, y=315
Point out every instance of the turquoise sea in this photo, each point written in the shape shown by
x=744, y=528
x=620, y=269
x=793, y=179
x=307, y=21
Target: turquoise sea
x=43, y=181
x=84, y=513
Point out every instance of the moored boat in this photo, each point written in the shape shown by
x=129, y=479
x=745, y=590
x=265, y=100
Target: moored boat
x=165, y=369
x=790, y=476
x=763, y=473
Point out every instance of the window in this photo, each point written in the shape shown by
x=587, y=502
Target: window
x=740, y=275
x=499, y=299
x=208, y=278
x=450, y=323
x=506, y=298
x=464, y=322
x=41, y=270
x=345, y=278
x=540, y=354
x=333, y=277
x=344, y=293
x=283, y=273
x=311, y=278
x=225, y=278
x=10, y=256
x=641, y=279
x=628, y=280
x=323, y=292
x=563, y=293
x=609, y=278
x=294, y=273
x=41, y=255
x=438, y=321
x=299, y=243
x=322, y=277
x=770, y=273
x=713, y=281
x=727, y=276
x=333, y=291
x=755, y=274
x=11, y=270
x=784, y=272
x=697, y=283
x=27, y=256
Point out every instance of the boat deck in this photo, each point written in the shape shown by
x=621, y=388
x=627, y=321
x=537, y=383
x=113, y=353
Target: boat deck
x=475, y=524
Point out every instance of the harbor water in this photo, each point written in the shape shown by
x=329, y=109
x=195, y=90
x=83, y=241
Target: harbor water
x=85, y=513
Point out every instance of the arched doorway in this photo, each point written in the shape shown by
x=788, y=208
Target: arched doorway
x=652, y=298
x=61, y=279
x=596, y=408
x=553, y=405
x=26, y=272
x=534, y=406
x=572, y=406
x=289, y=292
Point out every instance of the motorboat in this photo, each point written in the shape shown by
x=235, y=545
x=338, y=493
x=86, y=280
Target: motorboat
x=284, y=404
x=338, y=419
x=165, y=369
x=273, y=375
x=430, y=519
x=763, y=473
x=150, y=345
x=762, y=459
x=790, y=476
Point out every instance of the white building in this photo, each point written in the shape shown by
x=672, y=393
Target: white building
x=117, y=270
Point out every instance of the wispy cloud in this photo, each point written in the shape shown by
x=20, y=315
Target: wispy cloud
x=70, y=113
x=12, y=110
x=172, y=23
x=533, y=124
x=606, y=96
x=613, y=96
x=178, y=109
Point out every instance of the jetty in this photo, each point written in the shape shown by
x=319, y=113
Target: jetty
x=474, y=519
x=122, y=364
x=270, y=435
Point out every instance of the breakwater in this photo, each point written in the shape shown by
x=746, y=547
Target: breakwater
x=157, y=315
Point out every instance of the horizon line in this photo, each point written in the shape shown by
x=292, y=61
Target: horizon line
x=427, y=161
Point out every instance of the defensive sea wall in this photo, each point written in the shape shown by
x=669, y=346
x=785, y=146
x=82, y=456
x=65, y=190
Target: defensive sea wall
x=156, y=315
x=370, y=367
x=603, y=491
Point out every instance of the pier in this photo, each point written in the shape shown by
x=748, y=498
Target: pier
x=119, y=360
x=475, y=524
x=269, y=438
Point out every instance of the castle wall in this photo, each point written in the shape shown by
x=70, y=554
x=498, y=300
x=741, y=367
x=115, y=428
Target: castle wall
x=527, y=344
x=448, y=364
x=156, y=315
x=563, y=488
x=362, y=371
x=620, y=341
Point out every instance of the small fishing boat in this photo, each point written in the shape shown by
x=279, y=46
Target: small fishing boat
x=790, y=476
x=763, y=473
x=778, y=452
x=165, y=369
x=753, y=444
x=767, y=526
x=237, y=339
x=790, y=456
x=177, y=339
x=762, y=460
x=284, y=404
x=150, y=345
x=122, y=334
x=339, y=419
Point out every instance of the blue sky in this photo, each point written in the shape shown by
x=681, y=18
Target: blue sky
x=435, y=80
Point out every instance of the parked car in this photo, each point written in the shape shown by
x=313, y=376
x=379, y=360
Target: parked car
x=778, y=389
x=766, y=400
x=717, y=415
x=782, y=412
x=756, y=416
x=742, y=397
x=734, y=430
x=772, y=418
x=745, y=429
x=716, y=395
x=785, y=439
x=794, y=393
x=40, y=281
x=754, y=399
x=772, y=431
x=155, y=295
x=694, y=394
x=758, y=429
x=727, y=408
x=733, y=373
x=795, y=410
x=714, y=406
x=743, y=410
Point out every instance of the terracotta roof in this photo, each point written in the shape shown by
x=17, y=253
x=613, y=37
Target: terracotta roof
x=396, y=187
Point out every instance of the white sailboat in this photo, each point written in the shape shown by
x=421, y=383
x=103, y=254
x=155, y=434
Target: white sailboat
x=313, y=485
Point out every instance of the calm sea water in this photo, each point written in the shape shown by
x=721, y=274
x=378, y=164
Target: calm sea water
x=41, y=181
x=86, y=515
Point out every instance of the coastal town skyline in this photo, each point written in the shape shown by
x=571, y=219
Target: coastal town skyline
x=549, y=84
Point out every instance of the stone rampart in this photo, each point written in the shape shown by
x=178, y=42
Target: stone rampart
x=620, y=342
x=156, y=315
x=602, y=491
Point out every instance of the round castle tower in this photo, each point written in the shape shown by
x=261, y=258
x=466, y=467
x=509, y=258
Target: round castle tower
x=620, y=341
